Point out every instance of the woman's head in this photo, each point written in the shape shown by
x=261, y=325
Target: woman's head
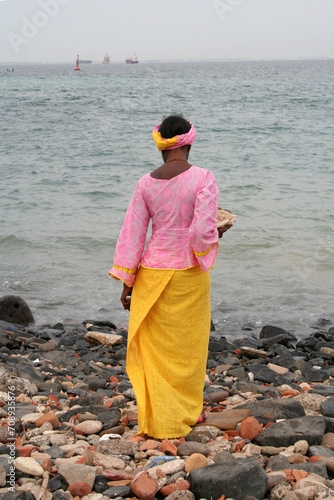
x=174, y=132
x=174, y=125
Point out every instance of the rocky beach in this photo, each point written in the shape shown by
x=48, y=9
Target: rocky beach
x=68, y=417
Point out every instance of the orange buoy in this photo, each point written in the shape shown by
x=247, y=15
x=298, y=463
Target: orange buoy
x=77, y=67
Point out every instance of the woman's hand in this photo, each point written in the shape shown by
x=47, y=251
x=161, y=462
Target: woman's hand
x=222, y=230
x=126, y=291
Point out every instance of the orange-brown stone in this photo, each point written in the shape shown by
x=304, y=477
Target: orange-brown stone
x=182, y=484
x=80, y=489
x=48, y=417
x=150, y=444
x=290, y=393
x=250, y=428
x=25, y=451
x=299, y=474
x=145, y=487
x=47, y=465
x=293, y=475
x=168, y=448
x=116, y=475
x=136, y=439
x=195, y=461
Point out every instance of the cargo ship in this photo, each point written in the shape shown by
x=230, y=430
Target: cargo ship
x=85, y=61
x=106, y=59
x=132, y=60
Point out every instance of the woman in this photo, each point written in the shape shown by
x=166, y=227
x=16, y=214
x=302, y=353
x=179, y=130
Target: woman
x=169, y=324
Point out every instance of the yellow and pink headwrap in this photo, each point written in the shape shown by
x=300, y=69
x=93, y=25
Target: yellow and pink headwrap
x=175, y=142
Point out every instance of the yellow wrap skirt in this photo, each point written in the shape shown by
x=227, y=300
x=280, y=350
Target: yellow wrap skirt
x=168, y=338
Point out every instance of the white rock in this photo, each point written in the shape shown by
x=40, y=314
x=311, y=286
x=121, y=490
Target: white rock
x=46, y=427
x=58, y=439
x=235, y=399
x=93, y=496
x=252, y=449
x=214, y=431
x=96, y=338
x=277, y=369
x=87, y=416
x=28, y=465
x=30, y=418
x=253, y=353
x=167, y=468
x=107, y=437
x=73, y=473
x=3, y=396
x=107, y=462
x=89, y=426
x=119, y=398
x=327, y=350
x=301, y=447
x=283, y=388
x=305, y=387
x=72, y=446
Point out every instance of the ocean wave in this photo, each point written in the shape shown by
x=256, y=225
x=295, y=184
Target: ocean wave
x=12, y=242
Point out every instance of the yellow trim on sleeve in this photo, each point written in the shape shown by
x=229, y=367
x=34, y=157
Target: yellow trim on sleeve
x=201, y=254
x=125, y=269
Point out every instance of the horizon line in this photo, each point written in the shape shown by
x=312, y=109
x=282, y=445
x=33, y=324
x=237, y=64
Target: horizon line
x=232, y=59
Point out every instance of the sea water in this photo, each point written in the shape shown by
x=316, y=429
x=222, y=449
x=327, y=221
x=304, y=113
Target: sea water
x=74, y=143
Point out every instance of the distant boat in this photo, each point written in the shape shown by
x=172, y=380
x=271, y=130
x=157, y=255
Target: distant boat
x=132, y=60
x=106, y=59
x=77, y=64
x=85, y=61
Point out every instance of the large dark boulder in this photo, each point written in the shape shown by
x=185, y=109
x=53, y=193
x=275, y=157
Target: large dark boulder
x=270, y=410
x=270, y=331
x=15, y=310
x=313, y=375
x=109, y=418
x=287, y=433
x=327, y=407
x=238, y=480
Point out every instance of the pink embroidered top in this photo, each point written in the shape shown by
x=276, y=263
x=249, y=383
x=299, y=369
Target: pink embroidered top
x=184, y=227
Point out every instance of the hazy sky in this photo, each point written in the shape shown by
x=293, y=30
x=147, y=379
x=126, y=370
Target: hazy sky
x=57, y=30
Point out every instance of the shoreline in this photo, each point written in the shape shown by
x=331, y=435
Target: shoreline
x=71, y=425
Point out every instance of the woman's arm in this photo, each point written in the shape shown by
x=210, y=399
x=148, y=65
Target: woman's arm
x=203, y=234
x=131, y=241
